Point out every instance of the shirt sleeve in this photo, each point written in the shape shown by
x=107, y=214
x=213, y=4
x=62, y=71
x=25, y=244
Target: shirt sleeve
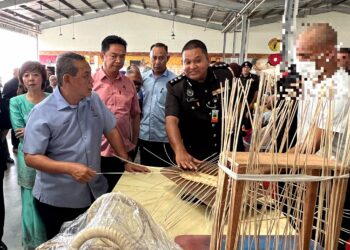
x=37, y=133
x=17, y=120
x=172, y=103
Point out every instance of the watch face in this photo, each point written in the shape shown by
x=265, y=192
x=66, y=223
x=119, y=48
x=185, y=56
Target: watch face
x=189, y=92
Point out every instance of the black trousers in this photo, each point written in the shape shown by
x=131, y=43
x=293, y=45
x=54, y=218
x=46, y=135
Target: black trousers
x=2, y=204
x=113, y=164
x=14, y=139
x=161, y=149
x=54, y=217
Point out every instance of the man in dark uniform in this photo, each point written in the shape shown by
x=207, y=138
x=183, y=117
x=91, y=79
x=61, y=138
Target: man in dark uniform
x=9, y=91
x=254, y=85
x=5, y=125
x=245, y=77
x=193, y=106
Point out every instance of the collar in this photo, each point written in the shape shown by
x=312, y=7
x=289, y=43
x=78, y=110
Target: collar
x=61, y=101
x=150, y=73
x=101, y=74
x=209, y=78
x=248, y=76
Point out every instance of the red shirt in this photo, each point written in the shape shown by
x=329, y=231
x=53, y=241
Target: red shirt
x=120, y=97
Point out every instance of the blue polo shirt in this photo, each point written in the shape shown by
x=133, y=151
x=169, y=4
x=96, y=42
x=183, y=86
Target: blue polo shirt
x=70, y=133
x=152, y=126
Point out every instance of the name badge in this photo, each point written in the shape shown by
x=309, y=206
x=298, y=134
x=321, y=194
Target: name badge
x=215, y=116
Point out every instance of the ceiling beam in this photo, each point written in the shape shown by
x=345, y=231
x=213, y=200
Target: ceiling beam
x=228, y=17
x=21, y=16
x=108, y=4
x=72, y=7
x=210, y=14
x=148, y=12
x=143, y=4
x=273, y=4
x=260, y=21
x=87, y=3
x=53, y=9
x=18, y=21
x=11, y=3
x=37, y=12
x=89, y=16
x=192, y=10
x=225, y=4
x=177, y=18
x=127, y=3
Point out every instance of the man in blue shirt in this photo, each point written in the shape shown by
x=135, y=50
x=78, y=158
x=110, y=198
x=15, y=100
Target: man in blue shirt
x=154, y=142
x=63, y=142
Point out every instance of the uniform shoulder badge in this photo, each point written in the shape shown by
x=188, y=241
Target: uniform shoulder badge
x=177, y=79
x=220, y=66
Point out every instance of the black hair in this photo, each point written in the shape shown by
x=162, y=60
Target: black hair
x=65, y=65
x=31, y=66
x=112, y=40
x=160, y=45
x=194, y=44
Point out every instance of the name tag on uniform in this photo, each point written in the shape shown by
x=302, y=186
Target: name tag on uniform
x=215, y=116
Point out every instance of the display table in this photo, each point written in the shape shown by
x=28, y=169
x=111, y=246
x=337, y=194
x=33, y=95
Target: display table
x=158, y=195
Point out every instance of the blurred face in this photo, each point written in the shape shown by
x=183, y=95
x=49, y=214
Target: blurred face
x=32, y=80
x=113, y=58
x=344, y=61
x=49, y=72
x=81, y=83
x=53, y=81
x=245, y=70
x=135, y=76
x=195, y=64
x=159, y=59
x=322, y=55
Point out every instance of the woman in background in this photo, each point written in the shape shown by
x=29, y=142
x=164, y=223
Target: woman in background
x=32, y=76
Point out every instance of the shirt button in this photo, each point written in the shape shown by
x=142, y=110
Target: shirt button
x=214, y=135
x=213, y=124
x=193, y=107
x=205, y=91
x=209, y=113
x=215, y=145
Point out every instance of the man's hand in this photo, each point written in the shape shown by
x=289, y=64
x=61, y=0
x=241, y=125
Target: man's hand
x=19, y=133
x=186, y=161
x=81, y=173
x=135, y=168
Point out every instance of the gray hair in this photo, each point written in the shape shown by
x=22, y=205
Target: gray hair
x=65, y=65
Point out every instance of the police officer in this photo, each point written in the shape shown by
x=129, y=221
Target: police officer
x=5, y=125
x=254, y=85
x=193, y=106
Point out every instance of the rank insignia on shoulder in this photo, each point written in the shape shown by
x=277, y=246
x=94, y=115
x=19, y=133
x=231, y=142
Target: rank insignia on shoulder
x=220, y=66
x=177, y=79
